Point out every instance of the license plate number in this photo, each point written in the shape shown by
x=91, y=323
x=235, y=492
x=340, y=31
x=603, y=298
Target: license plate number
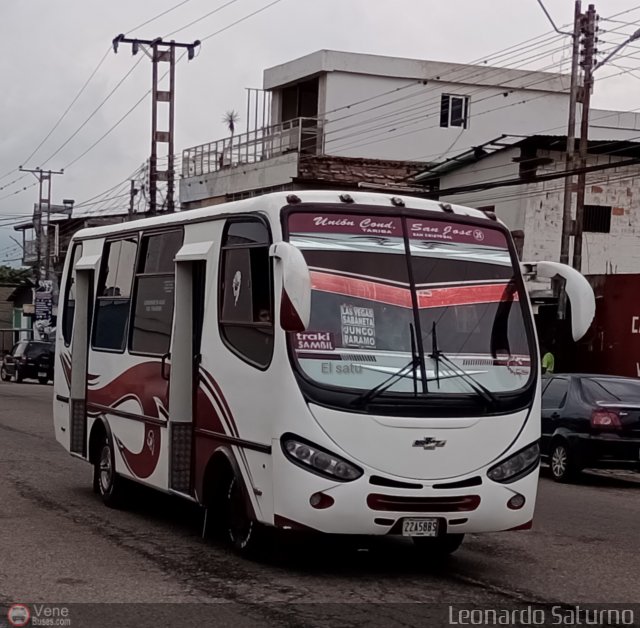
x=42, y=373
x=420, y=527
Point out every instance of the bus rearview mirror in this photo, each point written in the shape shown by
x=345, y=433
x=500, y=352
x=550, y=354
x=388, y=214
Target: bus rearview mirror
x=295, y=302
x=578, y=289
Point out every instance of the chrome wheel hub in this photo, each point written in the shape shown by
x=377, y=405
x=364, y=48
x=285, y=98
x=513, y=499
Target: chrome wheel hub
x=559, y=461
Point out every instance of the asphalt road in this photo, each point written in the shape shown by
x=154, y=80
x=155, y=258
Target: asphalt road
x=58, y=543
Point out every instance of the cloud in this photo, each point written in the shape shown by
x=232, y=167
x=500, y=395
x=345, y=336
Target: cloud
x=50, y=49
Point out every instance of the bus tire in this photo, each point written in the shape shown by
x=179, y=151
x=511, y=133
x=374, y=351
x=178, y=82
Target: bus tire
x=108, y=483
x=242, y=532
x=438, y=547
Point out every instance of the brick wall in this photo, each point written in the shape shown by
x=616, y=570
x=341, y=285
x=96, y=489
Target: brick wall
x=349, y=171
x=602, y=253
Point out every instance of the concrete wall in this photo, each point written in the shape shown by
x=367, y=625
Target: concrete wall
x=509, y=204
x=602, y=253
x=537, y=208
x=405, y=124
x=277, y=171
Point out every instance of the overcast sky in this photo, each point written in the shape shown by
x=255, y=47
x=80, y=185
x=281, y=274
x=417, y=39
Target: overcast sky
x=49, y=50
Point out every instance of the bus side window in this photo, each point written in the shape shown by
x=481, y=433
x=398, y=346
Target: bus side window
x=246, y=302
x=154, y=293
x=70, y=295
x=114, y=294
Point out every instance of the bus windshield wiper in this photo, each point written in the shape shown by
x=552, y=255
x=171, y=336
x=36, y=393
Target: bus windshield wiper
x=437, y=356
x=385, y=384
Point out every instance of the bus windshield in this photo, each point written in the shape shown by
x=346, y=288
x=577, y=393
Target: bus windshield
x=411, y=305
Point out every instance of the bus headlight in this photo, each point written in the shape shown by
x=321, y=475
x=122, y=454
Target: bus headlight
x=516, y=466
x=318, y=460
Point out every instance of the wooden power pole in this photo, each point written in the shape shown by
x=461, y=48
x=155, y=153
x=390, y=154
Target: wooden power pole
x=161, y=52
x=571, y=137
x=589, y=34
x=43, y=206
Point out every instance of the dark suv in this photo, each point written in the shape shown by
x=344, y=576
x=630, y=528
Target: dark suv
x=28, y=359
x=590, y=421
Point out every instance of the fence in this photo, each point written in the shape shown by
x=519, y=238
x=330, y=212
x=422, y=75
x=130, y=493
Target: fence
x=300, y=135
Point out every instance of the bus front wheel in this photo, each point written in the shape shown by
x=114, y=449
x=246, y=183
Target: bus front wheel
x=242, y=532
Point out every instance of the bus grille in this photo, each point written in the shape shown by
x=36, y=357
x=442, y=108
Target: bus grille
x=399, y=503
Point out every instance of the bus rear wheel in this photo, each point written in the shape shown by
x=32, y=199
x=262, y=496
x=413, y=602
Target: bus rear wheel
x=438, y=547
x=242, y=532
x=105, y=479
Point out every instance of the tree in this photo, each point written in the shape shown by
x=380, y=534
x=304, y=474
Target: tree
x=230, y=118
x=15, y=275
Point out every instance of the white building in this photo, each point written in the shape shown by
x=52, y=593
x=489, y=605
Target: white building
x=611, y=227
x=368, y=107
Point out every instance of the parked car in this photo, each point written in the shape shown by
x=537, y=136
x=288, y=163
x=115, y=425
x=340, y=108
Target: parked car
x=590, y=421
x=29, y=359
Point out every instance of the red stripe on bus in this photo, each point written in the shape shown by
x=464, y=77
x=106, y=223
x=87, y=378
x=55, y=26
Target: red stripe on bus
x=394, y=295
x=361, y=288
x=464, y=295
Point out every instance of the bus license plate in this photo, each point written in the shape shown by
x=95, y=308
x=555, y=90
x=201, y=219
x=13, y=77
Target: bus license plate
x=420, y=527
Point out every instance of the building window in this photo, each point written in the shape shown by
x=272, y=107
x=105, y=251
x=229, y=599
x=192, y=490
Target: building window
x=154, y=292
x=114, y=294
x=454, y=110
x=69, y=307
x=597, y=219
x=245, y=303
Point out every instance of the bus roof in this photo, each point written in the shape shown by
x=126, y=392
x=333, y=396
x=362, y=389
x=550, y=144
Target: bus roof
x=272, y=203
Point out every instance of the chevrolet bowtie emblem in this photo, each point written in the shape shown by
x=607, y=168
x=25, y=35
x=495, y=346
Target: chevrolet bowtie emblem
x=429, y=443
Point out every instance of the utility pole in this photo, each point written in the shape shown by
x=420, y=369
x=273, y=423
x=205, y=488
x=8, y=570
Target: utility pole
x=43, y=205
x=589, y=31
x=161, y=52
x=132, y=195
x=571, y=137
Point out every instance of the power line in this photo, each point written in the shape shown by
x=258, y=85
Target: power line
x=432, y=105
x=471, y=72
x=380, y=137
x=66, y=111
x=242, y=19
x=95, y=111
x=108, y=132
x=224, y=6
x=153, y=19
x=84, y=87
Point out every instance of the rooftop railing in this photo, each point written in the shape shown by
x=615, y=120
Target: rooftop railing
x=300, y=135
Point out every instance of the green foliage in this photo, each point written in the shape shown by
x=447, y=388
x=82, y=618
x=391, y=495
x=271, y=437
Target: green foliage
x=15, y=275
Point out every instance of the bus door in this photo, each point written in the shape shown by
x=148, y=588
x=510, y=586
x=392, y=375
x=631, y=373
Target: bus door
x=185, y=361
x=75, y=362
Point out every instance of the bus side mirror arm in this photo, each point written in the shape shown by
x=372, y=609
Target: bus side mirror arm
x=578, y=289
x=295, y=300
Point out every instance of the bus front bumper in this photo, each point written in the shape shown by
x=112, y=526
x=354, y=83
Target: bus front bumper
x=303, y=500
